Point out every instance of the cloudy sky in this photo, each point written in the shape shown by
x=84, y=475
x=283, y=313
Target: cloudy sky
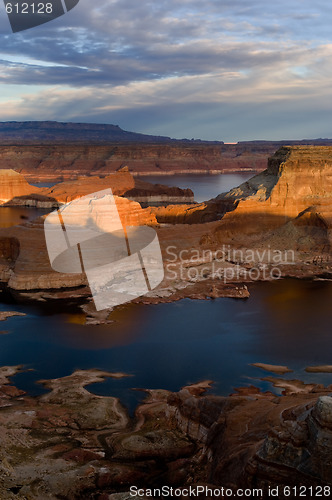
x=214, y=69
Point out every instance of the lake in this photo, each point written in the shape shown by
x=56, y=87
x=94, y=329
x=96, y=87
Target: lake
x=286, y=322
x=169, y=345
x=204, y=187
x=12, y=216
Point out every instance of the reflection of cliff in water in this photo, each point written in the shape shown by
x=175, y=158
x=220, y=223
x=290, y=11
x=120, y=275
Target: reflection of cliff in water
x=12, y=216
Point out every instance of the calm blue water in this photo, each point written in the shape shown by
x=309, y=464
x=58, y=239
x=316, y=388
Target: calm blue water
x=204, y=187
x=170, y=345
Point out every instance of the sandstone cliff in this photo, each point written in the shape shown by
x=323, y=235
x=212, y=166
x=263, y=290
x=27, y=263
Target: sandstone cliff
x=68, y=161
x=296, y=188
x=13, y=184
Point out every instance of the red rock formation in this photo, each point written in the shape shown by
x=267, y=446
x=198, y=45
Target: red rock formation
x=64, y=192
x=13, y=184
x=122, y=183
x=297, y=178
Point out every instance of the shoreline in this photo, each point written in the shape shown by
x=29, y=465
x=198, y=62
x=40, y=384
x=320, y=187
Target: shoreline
x=158, y=173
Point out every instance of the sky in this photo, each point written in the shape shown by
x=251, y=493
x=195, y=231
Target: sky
x=225, y=70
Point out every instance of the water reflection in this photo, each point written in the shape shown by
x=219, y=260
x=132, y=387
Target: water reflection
x=126, y=328
x=170, y=345
x=12, y=216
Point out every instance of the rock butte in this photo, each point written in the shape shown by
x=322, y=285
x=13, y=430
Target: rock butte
x=297, y=179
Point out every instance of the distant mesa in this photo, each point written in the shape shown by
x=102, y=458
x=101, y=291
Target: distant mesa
x=50, y=132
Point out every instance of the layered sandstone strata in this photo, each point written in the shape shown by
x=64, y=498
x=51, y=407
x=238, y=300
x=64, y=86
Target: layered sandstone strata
x=13, y=184
x=291, y=201
x=57, y=162
x=255, y=221
x=15, y=190
x=298, y=178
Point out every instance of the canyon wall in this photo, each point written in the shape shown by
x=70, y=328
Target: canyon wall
x=62, y=162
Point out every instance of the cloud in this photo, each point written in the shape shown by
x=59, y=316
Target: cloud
x=143, y=59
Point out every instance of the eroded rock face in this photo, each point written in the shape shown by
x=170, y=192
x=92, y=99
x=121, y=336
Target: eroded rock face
x=298, y=451
x=287, y=206
x=297, y=178
x=24, y=262
x=13, y=184
x=70, y=443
